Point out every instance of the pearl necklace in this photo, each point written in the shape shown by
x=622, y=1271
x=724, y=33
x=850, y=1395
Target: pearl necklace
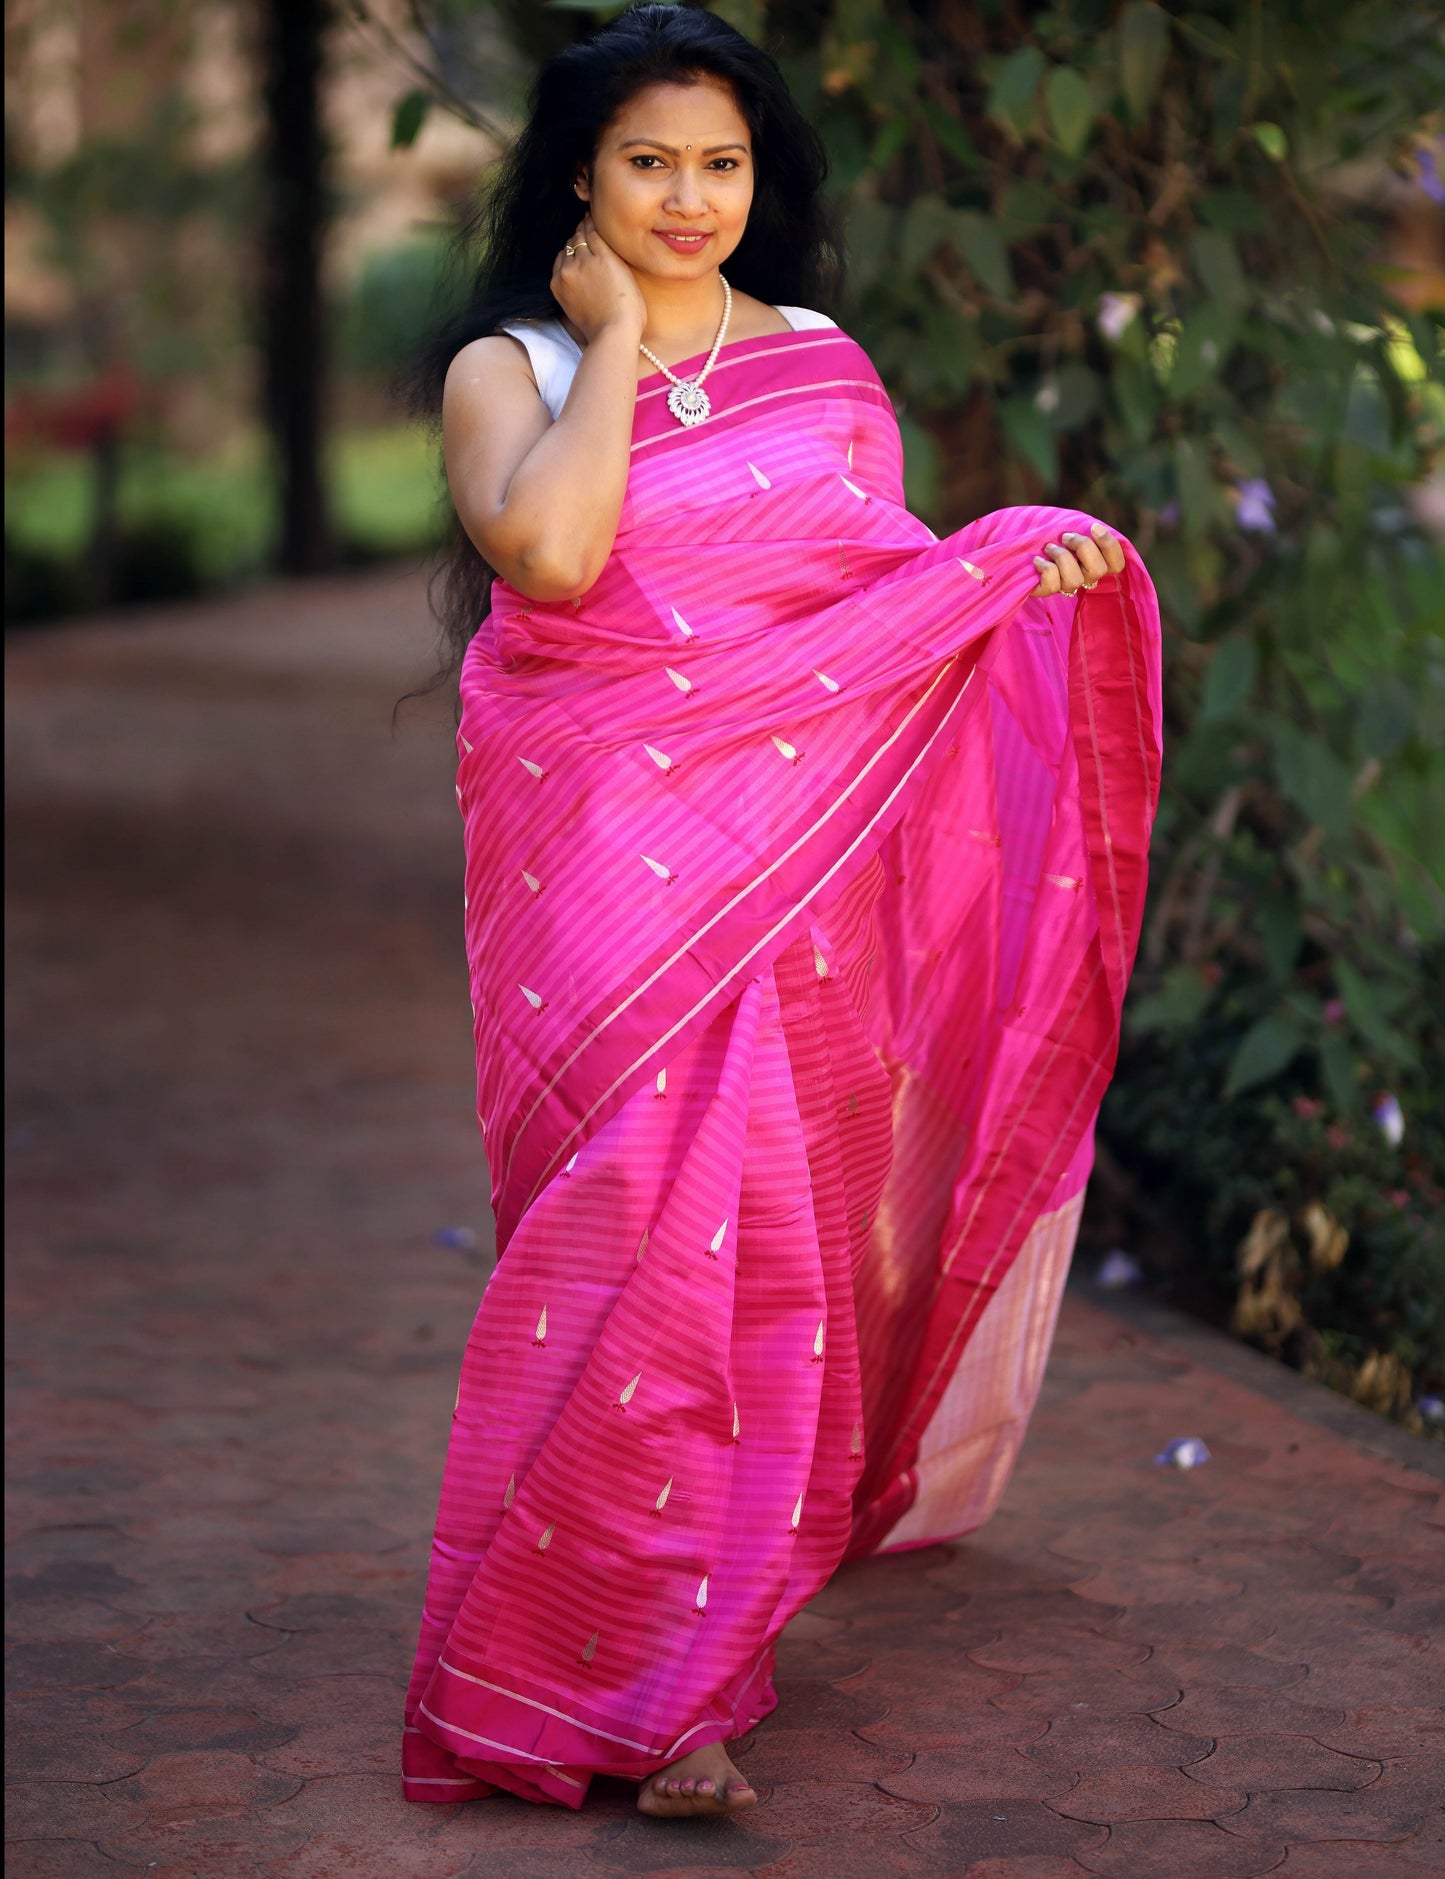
x=687, y=401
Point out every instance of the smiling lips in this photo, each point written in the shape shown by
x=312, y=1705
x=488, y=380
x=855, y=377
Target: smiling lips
x=681, y=242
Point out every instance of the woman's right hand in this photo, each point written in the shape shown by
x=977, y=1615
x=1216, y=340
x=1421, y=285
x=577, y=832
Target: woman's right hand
x=594, y=286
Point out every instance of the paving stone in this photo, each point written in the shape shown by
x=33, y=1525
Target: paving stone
x=872, y=1857
x=1290, y=1816
x=165, y=1731
x=1229, y=1666
x=59, y=1664
x=1388, y=1730
x=1159, y=1581
x=813, y=1704
x=61, y=1859
x=965, y=1833
x=975, y=1775
x=1144, y=1791
x=949, y=1673
x=43, y=1754
x=1029, y=1866
x=1098, y=1689
x=1427, y=1847
x=1347, y=1859
x=1234, y=1711
x=1414, y=1676
x=1031, y=1653
x=1194, y=1626
x=1086, y=1742
x=68, y=1810
x=745, y=1843
x=1179, y=1849
x=1250, y=1763
x=203, y=1780
x=41, y=1620
x=919, y=1722
x=782, y=1754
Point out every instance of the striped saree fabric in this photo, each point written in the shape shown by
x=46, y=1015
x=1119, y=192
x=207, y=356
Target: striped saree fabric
x=805, y=862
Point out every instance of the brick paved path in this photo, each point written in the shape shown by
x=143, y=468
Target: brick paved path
x=241, y=1109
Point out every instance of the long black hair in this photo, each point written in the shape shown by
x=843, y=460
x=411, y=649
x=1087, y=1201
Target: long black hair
x=789, y=253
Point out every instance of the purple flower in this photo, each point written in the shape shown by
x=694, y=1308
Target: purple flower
x=1427, y=173
x=1117, y=313
x=1116, y=1270
x=1185, y=1451
x=1254, y=506
x=1390, y=1119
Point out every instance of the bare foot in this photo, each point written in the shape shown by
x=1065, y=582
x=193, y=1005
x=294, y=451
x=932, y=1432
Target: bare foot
x=705, y=1782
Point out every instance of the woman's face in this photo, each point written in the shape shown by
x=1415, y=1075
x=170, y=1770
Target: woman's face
x=676, y=162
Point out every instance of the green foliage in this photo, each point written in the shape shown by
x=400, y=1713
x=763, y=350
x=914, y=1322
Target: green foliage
x=1212, y=1163
x=397, y=297
x=189, y=527
x=1127, y=239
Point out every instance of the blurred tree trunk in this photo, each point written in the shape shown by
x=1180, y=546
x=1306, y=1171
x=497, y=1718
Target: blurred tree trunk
x=293, y=329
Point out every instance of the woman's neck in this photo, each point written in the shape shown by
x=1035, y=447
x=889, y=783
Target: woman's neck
x=679, y=313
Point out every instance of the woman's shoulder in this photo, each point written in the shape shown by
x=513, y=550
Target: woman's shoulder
x=801, y=319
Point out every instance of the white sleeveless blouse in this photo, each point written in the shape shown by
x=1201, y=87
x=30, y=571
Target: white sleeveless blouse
x=554, y=353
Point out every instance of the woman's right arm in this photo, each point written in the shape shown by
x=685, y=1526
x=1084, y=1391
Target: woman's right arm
x=542, y=500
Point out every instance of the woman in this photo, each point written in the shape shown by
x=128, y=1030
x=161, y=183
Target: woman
x=805, y=855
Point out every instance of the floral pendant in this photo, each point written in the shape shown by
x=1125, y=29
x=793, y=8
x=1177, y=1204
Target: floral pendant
x=689, y=403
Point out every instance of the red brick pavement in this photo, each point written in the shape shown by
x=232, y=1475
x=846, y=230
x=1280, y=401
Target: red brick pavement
x=240, y=1110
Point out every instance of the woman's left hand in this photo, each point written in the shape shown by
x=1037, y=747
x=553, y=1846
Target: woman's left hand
x=1076, y=561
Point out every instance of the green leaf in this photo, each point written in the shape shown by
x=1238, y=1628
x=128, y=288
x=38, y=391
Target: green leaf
x=1385, y=716
x=872, y=227
x=1337, y=1064
x=1204, y=347
x=926, y=223
x=1016, y=82
x=1312, y=776
x=1265, y=1049
x=1277, y=922
x=1032, y=436
x=1143, y=47
x=1366, y=1016
x=1069, y=396
x=1271, y=140
x=920, y=466
x=1198, y=492
x=1218, y=267
x=1134, y=394
x=1229, y=681
x=951, y=133
x=1071, y=108
x=1177, y=1006
x=982, y=247
x=407, y=118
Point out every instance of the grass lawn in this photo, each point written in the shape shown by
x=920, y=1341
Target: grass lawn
x=383, y=487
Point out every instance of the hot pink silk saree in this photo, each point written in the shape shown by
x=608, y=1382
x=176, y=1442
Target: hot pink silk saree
x=805, y=867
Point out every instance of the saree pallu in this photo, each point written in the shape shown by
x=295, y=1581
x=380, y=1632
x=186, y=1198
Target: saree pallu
x=805, y=862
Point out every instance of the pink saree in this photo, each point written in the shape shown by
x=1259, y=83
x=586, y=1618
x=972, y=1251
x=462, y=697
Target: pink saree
x=805, y=867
